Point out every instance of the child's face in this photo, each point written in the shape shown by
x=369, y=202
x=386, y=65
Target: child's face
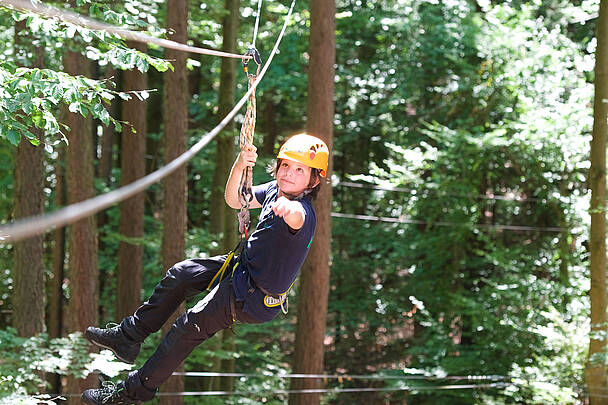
x=293, y=177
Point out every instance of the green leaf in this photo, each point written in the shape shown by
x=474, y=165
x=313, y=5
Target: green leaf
x=104, y=117
x=142, y=64
x=74, y=107
x=13, y=136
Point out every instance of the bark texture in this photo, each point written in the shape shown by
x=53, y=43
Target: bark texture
x=596, y=363
x=133, y=164
x=82, y=235
x=175, y=117
x=28, y=270
x=314, y=280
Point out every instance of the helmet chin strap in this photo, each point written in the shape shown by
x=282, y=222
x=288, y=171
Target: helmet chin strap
x=294, y=196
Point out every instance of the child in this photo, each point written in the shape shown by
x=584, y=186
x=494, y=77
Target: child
x=250, y=291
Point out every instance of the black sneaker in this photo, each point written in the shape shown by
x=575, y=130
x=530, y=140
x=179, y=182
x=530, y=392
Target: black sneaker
x=108, y=394
x=114, y=339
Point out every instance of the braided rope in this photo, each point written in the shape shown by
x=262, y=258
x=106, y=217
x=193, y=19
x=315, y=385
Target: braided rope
x=246, y=140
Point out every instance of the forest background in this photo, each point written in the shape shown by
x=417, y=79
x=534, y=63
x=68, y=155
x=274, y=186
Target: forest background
x=459, y=194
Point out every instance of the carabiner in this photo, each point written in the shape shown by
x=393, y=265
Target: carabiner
x=255, y=55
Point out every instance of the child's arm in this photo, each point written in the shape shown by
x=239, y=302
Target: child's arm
x=231, y=194
x=293, y=212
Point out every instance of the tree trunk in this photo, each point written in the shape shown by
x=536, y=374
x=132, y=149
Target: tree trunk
x=175, y=115
x=82, y=237
x=130, y=255
x=56, y=299
x=28, y=269
x=104, y=172
x=223, y=219
x=104, y=167
x=271, y=128
x=596, y=363
x=314, y=281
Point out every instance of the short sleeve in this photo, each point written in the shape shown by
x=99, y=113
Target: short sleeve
x=260, y=192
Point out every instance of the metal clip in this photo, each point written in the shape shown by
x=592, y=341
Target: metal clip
x=255, y=55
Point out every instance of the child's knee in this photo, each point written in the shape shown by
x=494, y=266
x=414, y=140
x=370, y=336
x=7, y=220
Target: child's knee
x=182, y=271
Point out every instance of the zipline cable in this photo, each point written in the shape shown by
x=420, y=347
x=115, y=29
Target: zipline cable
x=35, y=225
x=51, y=12
x=494, y=378
x=410, y=191
x=516, y=228
x=335, y=390
x=257, y=23
x=318, y=390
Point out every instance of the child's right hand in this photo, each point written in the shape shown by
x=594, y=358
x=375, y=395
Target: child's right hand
x=247, y=158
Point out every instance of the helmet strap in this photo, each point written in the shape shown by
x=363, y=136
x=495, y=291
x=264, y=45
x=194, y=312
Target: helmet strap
x=298, y=196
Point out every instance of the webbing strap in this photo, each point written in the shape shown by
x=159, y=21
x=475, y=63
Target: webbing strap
x=222, y=270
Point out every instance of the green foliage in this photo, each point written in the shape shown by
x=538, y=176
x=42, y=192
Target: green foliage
x=472, y=117
x=24, y=360
x=450, y=119
x=29, y=97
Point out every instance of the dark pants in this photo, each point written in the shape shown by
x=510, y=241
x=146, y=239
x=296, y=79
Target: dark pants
x=210, y=315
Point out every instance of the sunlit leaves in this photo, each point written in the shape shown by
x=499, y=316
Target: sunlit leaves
x=30, y=97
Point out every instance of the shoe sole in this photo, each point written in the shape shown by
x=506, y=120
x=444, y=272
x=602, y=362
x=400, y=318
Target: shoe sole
x=110, y=349
x=86, y=400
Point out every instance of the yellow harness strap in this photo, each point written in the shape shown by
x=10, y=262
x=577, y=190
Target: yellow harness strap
x=276, y=300
x=222, y=270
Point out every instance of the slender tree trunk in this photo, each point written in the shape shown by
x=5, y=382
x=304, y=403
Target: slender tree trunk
x=314, y=281
x=130, y=255
x=104, y=167
x=55, y=294
x=596, y=363
x=104, y=172
x=82, y=236
x=175, y=186
x=223, y=219
x=28, y=270
x=271, y=127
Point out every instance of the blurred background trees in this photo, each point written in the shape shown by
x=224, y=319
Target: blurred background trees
x=460, y=230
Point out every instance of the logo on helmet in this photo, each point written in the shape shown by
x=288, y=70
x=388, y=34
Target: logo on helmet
x=312, y=152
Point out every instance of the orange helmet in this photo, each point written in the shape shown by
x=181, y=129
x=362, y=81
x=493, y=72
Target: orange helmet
x=308, y=150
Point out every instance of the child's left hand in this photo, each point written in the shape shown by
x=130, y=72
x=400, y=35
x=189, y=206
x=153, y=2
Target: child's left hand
x=283, y=207
x=291, y=211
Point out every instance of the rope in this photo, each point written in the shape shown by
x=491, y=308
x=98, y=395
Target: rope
x=35, y=225
x=246, y=135
x=85, y=22
x=246, y=140
x=257, y=22
x=415, y=191
x=515, y=228
x=335, y=390
x=347, y=377
x=318, y=390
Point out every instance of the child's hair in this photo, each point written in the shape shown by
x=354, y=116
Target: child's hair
x=314, y=175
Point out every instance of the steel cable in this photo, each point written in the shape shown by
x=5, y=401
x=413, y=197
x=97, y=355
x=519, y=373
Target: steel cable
x=85, y=22
x=35, y=225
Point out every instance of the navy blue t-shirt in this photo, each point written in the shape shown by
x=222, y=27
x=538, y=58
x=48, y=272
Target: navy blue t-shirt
x=273, y=256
